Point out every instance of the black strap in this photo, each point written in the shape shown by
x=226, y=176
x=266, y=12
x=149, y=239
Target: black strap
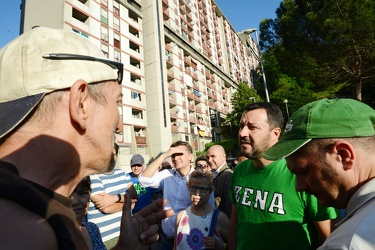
x=225, y=170
x=213, y=222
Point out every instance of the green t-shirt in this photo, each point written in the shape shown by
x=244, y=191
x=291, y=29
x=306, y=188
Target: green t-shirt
x=271, y=213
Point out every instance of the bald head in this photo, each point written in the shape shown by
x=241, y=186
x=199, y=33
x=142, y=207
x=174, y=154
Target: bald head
x=216, y=156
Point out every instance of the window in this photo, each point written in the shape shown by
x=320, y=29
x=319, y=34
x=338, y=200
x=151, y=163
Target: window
x=116, y=24
x=104, y=16
x=136, y=96
x=116, y=40
x=105, y=49
x=137, y=113
x=117, y=56
x=104, y=33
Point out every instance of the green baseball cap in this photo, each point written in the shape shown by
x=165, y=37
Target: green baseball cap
x=326, y=118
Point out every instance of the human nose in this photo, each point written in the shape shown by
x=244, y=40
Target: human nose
x=120, y=127
x=243, y=132
x=75, y=198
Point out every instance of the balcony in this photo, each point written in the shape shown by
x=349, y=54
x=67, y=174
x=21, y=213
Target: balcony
x=140, y=140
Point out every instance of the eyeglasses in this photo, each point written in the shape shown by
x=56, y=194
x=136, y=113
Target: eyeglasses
x=202, y=166
x=203, y=190
x=136, y=166
x=115, y=65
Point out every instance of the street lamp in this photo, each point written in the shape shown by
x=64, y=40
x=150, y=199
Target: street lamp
x=286, y=106
x=248, y=32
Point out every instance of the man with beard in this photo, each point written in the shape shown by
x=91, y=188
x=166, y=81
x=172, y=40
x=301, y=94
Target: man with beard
x=329, y=145
x=59, y=99
x=268, y=212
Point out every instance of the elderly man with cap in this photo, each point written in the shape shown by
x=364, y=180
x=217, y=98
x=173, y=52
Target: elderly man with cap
x=59, y=99
x=329, y=145
x=145, y=194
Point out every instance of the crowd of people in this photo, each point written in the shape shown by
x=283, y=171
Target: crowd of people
x=60, y=188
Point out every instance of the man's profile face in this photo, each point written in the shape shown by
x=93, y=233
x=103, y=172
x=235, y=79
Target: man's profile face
x=104, y=122
x=318, y=176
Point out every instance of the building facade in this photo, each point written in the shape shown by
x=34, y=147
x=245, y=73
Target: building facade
x=182, y=62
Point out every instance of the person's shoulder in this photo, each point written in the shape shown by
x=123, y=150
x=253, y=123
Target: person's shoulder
x=23, y=229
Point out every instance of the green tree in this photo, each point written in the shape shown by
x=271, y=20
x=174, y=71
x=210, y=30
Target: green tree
x=243, y=96
x=325, y=45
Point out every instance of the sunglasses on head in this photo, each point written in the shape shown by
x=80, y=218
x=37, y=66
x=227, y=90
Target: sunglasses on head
x=115, y=65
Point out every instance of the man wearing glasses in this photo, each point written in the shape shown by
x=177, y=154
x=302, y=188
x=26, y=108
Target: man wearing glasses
x=172, y=182
x=202, y=163
x=59, y=100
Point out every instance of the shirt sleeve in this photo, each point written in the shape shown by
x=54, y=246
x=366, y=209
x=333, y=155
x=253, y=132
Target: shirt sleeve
x=96, y=185
x=154, y=181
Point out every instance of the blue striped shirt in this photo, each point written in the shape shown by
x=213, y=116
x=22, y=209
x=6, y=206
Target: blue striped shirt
x=114, y=183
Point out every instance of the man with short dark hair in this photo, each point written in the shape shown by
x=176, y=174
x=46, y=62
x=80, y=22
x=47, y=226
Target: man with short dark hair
x=173, y=184
x=329, y=145
x=59, y=99
x=268, y=213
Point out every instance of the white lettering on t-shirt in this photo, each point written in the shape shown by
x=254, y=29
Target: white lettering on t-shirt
x=275, y=200
x=238, y=189
x=246, y=196
x=277, y=203
x=261, y=200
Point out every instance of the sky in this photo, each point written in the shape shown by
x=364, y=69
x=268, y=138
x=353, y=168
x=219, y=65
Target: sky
x=242, y=14
x=247, y=14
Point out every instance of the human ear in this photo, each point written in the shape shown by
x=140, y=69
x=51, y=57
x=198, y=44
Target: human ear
x=78, y=103
x=276, y=132
x=345, y=153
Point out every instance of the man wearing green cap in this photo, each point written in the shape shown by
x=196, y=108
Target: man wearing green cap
x=329, y=145
x=268, y=212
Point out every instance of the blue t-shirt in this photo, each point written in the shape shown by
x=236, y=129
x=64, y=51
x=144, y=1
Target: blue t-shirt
x=144, y=194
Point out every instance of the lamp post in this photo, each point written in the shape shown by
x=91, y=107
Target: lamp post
x=259, y=57
x=286, y=106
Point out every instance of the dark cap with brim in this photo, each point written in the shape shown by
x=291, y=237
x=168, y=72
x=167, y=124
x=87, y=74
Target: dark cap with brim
x=16, y=112
x=335, y=118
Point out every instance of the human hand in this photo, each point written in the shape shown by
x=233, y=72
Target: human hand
x=141, y=229
x=195, y=199
x=212, y=243
x=104, y=200
x=172, y=151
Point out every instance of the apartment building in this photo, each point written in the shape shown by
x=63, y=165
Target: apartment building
x=182, y=62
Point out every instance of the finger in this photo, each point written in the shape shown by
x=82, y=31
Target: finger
x=150, y=235
x=154, y=207
x=126, y=210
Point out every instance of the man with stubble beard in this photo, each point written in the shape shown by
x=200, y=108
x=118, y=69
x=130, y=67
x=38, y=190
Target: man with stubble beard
x=268, y=212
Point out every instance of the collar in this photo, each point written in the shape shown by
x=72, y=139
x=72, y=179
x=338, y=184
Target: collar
x=362, y=196
x=222, y=166
x=175, y=172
